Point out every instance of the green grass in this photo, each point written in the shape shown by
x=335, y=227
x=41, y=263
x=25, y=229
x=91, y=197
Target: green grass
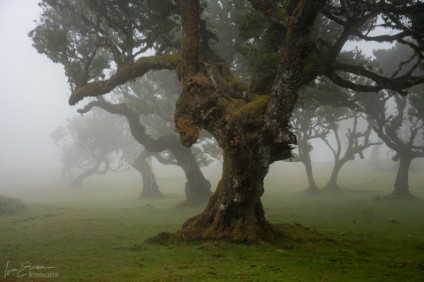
x=95, y=235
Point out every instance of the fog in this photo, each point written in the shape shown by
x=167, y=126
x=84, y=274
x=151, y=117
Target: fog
x=33, y=94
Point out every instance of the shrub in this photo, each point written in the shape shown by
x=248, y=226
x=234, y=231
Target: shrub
x=10, y=205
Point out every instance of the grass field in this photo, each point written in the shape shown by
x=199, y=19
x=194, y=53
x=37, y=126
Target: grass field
x=98, y=234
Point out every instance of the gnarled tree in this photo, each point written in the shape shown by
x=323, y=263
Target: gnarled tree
x=249, y=122
x=398, y=121
x=95, y=144
x=308, y=123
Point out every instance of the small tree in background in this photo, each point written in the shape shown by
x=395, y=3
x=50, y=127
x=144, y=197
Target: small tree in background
x=309, y=124
x=148, y=105
x=398, y=120
x=355, y=141
x=95, y=144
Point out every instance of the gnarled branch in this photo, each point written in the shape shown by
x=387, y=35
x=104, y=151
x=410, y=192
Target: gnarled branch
x=124, y=74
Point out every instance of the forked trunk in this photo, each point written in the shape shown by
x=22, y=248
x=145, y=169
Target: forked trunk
x=235, y=210
x=150, y=186
x=401, y=182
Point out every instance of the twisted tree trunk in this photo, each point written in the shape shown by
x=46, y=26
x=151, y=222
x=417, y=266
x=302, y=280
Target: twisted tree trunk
x=197, y=188
x=77, y=182
x=235, y=211
x=252, y=133
x=150, y=186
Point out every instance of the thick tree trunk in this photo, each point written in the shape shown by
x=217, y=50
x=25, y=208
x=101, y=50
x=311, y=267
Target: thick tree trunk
x=197, y=188
x=252, y=134
x=150, y=186
x=306, y=160
x=332, y=183
x=235, y=210
x=401, y=181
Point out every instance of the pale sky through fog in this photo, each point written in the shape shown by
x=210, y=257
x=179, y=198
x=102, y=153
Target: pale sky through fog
x=33, y=93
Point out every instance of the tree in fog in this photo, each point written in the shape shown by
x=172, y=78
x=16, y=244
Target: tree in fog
x=308, y=124
x=398, y=120
x=349, y=142
x=322, y=112
x=288, y=44
x=94, y=144
x=148, y=105
x=85, y=145
x=143, y=165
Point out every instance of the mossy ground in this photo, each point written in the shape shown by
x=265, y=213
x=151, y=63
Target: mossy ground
x=88, y=235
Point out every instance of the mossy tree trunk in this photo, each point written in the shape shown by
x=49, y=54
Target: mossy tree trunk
x=252, y=133
x=150, y=186
x=235, y=211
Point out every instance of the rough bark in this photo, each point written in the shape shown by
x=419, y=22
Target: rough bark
x=150, y=186
x=291, y=73
x=235, y=211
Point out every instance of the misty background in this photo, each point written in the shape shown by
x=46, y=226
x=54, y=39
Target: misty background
x=34, y=101
x=33, y=94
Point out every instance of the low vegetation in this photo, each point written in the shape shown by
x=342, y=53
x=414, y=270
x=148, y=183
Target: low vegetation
x=10, y=205
x=94, y=235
